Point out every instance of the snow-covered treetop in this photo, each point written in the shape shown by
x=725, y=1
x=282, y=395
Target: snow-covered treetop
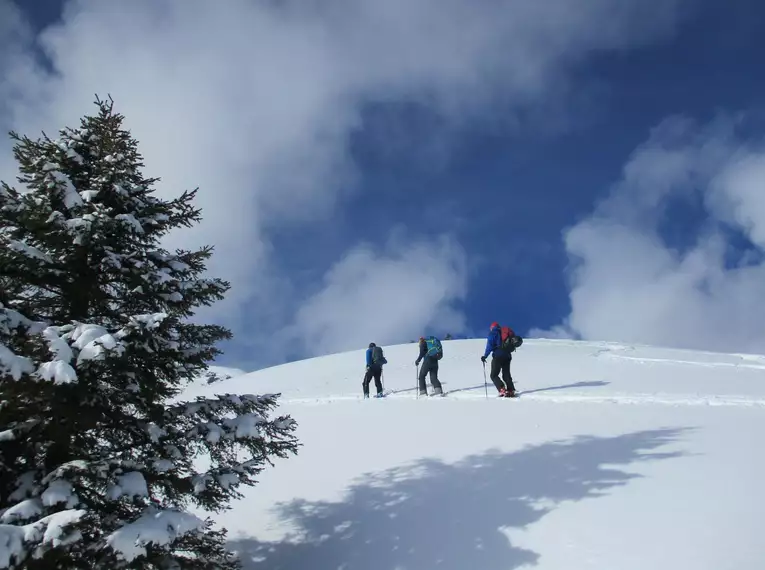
x=97, y=459
x=87, y=223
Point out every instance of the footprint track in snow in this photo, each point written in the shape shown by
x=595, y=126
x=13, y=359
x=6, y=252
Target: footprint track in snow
x=619, y=399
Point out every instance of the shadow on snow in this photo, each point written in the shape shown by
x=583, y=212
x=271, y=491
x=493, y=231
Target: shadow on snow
x=492, y=391
x=450, y=516
x=593, y=384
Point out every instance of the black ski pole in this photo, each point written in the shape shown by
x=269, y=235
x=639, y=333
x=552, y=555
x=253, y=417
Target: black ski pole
x=485, y=385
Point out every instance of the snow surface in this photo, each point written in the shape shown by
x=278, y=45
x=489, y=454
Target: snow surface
x=614, y=456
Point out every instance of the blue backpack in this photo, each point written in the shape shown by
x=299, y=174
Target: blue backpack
x=434, y=348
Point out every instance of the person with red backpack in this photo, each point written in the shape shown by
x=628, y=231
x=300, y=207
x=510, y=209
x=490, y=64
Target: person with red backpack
x=501, y=342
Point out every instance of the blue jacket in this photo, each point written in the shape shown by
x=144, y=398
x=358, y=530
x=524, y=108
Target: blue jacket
x=494, y=342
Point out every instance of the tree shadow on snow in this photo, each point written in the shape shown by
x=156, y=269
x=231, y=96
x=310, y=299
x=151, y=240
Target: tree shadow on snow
x=593, y=384
x=450, y=516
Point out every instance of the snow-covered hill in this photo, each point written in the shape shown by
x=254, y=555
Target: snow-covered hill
x=614, y=457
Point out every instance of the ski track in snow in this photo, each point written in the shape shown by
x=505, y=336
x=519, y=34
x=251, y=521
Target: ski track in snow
x=643, y=359
x=633, y=399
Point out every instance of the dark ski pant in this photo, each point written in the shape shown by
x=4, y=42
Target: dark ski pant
x=501, y=363
x=429, y=366
x=373, y=372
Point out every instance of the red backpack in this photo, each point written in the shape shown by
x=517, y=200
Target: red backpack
x=509, y=341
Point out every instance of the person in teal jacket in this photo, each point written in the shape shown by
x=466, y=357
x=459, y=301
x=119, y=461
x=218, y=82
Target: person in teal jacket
x=429, y=366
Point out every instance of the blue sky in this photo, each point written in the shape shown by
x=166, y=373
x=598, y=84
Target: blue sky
x=586, y=172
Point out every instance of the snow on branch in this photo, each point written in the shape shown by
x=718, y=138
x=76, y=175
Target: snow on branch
x=10, y=434
x=173, y=261
x=54, y=178
x=93, y=342
x=149, y=321
x=80, y=227
x=48, y=532
x=241, y=427
x=60, y=491
x=28, y=250
x=14, y=365
x=59, y=370
x=130, y=221
x=131, y=484
x=11, y=320
x=26, y=486
x=245, y=424
x=227, y=478
x=159, y=527
x=25, y=510
x=57, y=345
x=222, y=402
x=12, y=549
x=230, y=421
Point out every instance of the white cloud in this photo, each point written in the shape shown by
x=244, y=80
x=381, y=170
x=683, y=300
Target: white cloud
x=738, y=194
x=387, y=297
x=628, y=284
x=254, y=101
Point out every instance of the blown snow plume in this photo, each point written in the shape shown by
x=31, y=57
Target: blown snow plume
x=100, y=459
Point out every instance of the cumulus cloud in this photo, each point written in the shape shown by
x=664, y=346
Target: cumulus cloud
x=386, y=297
x=255, y=101
x=629, y=284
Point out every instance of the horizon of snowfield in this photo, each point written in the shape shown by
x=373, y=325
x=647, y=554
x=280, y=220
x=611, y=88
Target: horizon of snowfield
x=614, y=456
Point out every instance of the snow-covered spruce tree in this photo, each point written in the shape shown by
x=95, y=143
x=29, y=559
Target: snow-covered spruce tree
x=101, y=463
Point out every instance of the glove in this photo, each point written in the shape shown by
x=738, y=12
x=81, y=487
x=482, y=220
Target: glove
x=417, y=362
x=483, y=359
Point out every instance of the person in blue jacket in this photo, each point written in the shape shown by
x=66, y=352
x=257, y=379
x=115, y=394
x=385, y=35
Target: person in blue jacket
x=500, y=362
x=375, y=361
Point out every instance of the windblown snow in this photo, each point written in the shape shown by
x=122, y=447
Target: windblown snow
x=614, y=456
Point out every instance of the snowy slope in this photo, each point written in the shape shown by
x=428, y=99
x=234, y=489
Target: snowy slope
x=614, y=457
